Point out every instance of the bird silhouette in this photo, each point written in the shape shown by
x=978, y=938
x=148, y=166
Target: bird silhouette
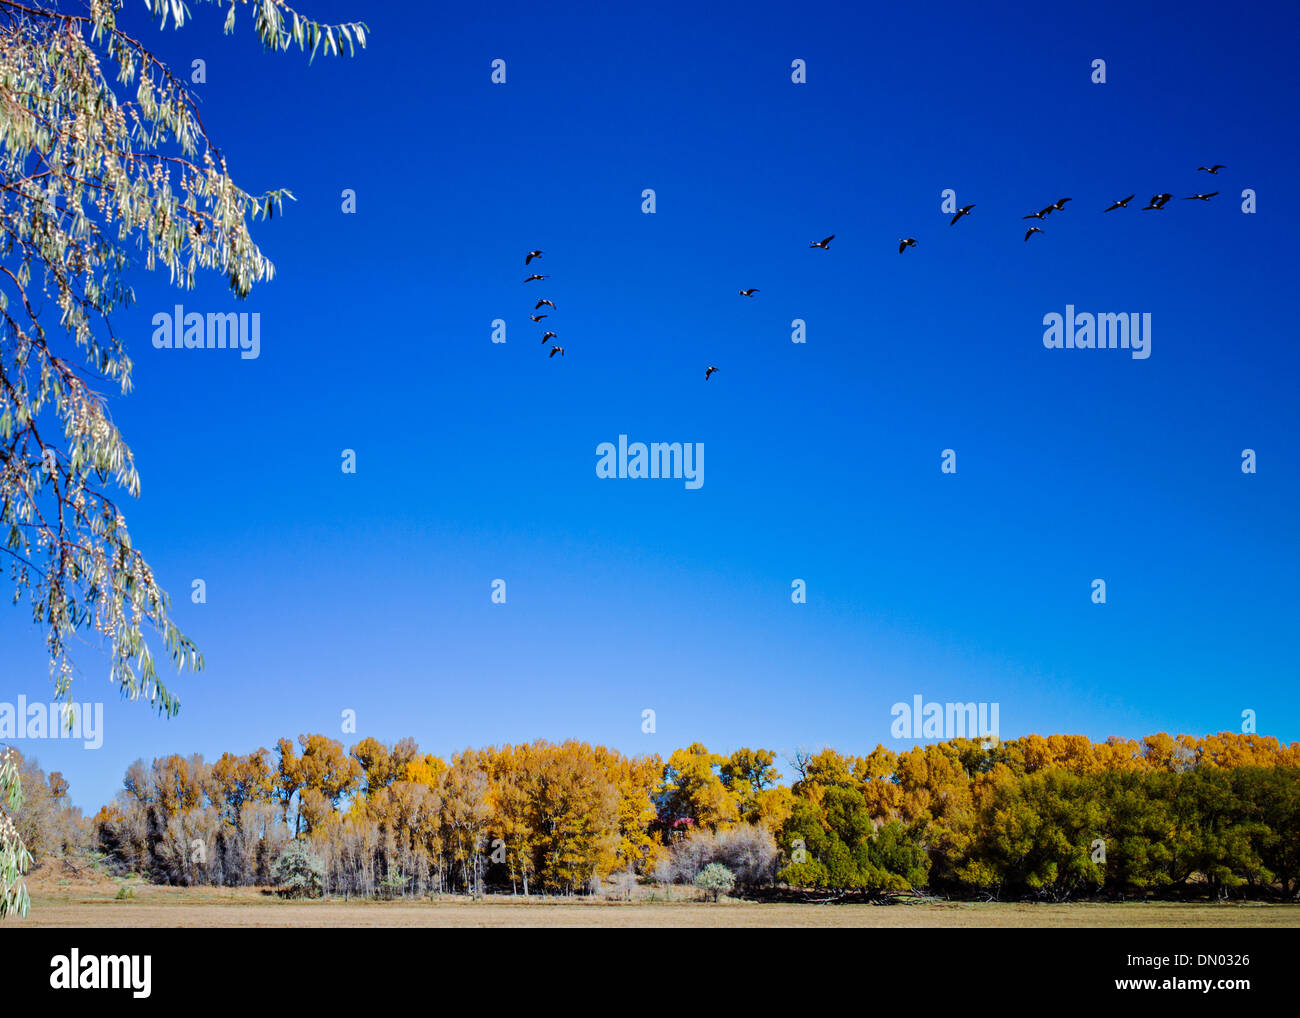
x=1059, y=204
x=748, y=293
x=1213, y=169
x=708, y=371
x=557, y=349
x=1041, y=214
x=1122, y=203
x=825, y=245
x=536, y=275
x=1200, y=197
x=549, y=335
x=544, y=303
x=905, y=242
x=532, y=255
x=538, y=318
x=1158, y=201
x=963, y=211
x=1032, y=231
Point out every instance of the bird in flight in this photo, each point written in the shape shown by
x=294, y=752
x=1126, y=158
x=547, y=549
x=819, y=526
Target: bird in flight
x=905, y=242
x=1121, y=204
x=536, y=275
x=1032, y=231
x=1042, y=214
x=1060, y=205
x=1200, y=197
x=545, y=302
x=537, y=318
x=825, y=245
x=532, y=255
x=557, y=349
x=1158, y=201
x=549, y=335
x=708, y=371
x=963, y=211
x=1213, y=169
x=748, y=293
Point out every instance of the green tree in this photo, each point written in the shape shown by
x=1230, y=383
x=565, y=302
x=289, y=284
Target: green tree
x=14, y=857
x=716, y=879
x=299, y=872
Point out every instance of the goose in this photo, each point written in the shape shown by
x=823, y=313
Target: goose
x=825, y=245
x=1213, y=169
x=549, y=335
x=905, y=242
x=708, y=371
x=1121, y=204
x=963, y=211
x=532, y=255
x=557, y=349
x=546, y=303
x=748, y=293
x=536, y=275
x=1200, y=197
x=1032, y=231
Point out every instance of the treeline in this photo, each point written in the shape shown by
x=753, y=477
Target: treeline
x=1040, y=817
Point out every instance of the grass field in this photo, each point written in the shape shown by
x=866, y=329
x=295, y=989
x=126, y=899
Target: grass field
x=97, y=905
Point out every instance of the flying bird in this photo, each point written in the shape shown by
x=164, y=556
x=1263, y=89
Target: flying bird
x=748, y=293
x=1032, y=231
x=963, y=211
x=1200, y=197
x=536, y=275
x=905, y=242
x=1060, y=204
x=1043, y=214
x=1121, y=204
x=825, y=245
x=1213, y=169
x=549, y=335
x=537, y=318
x=708, y=371
x=557, y=349
x=1158, y=201
x=545, y=302
x=532, y=255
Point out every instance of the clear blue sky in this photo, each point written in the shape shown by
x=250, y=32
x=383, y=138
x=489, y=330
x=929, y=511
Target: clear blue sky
x=476, y=461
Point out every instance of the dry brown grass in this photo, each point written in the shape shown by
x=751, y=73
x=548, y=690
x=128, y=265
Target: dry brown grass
x=93, y=902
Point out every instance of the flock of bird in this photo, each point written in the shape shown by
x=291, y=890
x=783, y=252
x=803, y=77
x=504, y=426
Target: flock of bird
x=1157, y=203
x=542, y=303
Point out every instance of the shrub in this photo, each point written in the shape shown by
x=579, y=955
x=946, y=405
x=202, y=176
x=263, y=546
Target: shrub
x=747, y=851
x=298, y=872
x=716, y=879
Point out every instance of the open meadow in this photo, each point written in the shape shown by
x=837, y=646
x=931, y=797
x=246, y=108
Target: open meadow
x=95, y=903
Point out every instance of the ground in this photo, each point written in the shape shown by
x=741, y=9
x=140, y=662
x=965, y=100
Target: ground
x=89, y=898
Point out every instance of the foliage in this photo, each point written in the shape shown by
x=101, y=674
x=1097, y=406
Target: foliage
x=1023, y=819
x=102, y=151
x=299, y=872
x=748, y=851
x=716, y=879
x=14, y=857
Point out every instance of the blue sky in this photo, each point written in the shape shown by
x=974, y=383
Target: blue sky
x=371, y=592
